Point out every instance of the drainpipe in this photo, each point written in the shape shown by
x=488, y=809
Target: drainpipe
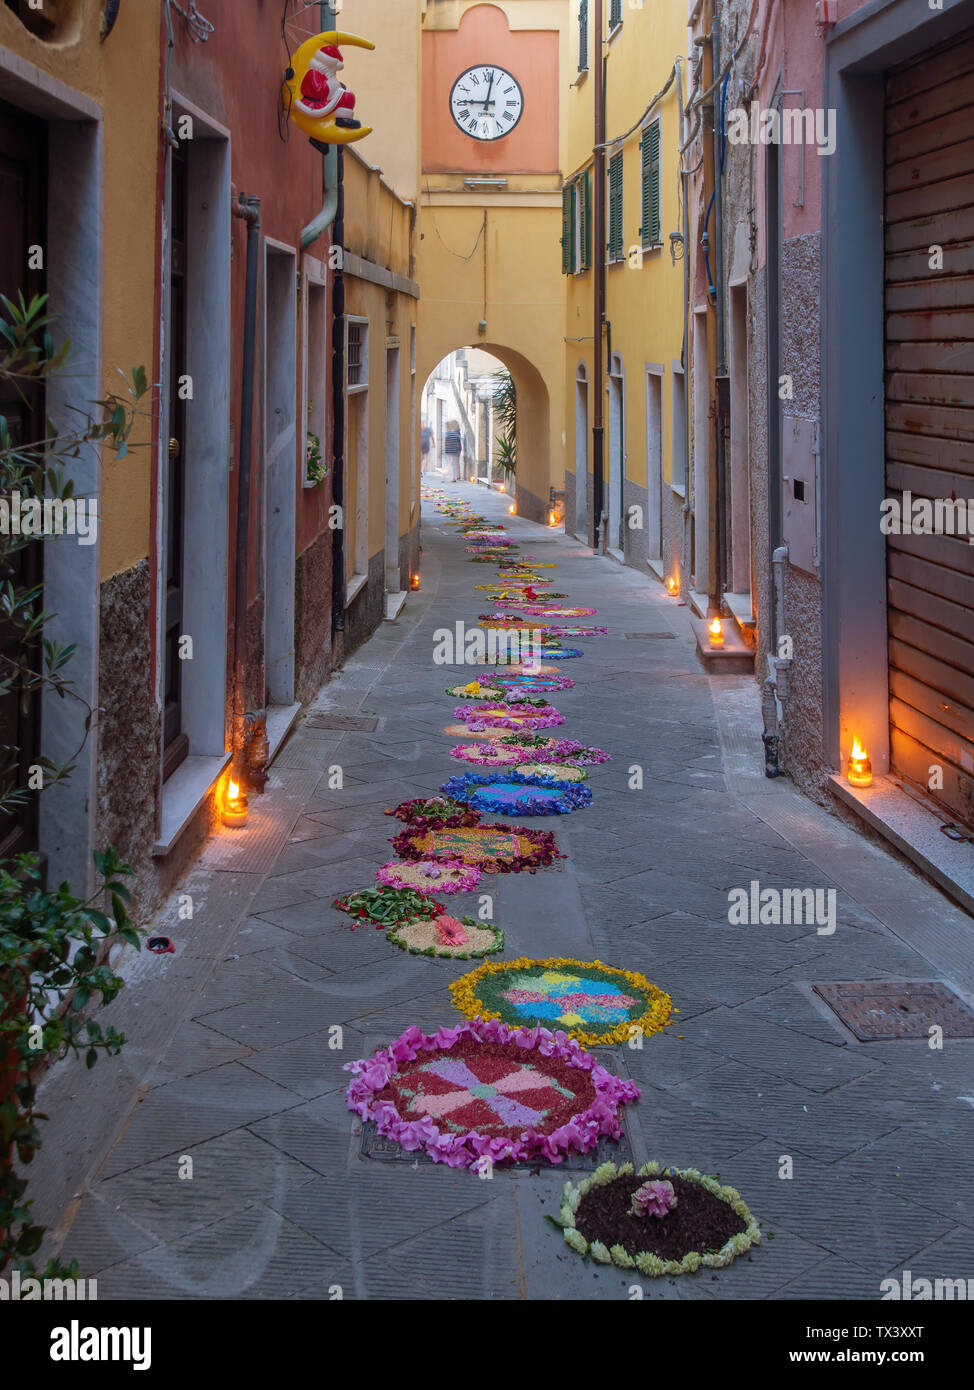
x=338, y=401
x=327, y=18
x=722, y=383
x=249, y=210
x=598, y=425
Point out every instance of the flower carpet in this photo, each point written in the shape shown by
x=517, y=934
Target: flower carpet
x=594, y=1003
x=482, y=1093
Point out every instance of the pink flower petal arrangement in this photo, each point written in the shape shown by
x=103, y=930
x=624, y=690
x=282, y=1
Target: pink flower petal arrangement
x=653, y=1199
x=430, y=876
x=580, y=1134
x=504, y=717
x=450, y=931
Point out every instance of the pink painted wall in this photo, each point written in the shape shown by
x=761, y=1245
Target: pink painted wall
x=531, y=56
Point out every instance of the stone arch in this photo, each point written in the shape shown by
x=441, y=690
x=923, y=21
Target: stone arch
x=533, y=422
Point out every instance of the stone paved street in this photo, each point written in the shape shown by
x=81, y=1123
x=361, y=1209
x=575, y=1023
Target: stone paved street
x=249, y=1084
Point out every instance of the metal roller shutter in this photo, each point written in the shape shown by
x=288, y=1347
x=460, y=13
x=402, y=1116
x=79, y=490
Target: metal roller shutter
x=930, y=416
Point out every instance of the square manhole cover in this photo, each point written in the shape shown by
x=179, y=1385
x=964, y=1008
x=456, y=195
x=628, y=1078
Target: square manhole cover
x=645, y=636
x=382, y=1150
x=367, y=723
x=880, y=1010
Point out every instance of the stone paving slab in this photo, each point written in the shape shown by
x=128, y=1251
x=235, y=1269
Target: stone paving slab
x=237, y=1068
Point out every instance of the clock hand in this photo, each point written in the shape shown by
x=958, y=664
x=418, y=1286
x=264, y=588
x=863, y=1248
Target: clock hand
x=490, y=88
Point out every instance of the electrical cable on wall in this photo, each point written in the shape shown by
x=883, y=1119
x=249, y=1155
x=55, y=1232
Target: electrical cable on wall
x=459, y=254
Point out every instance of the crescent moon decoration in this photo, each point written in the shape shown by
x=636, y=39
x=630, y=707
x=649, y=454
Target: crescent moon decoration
x=324, y=128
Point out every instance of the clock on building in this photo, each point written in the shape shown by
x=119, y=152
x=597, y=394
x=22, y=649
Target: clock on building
x=486, y=102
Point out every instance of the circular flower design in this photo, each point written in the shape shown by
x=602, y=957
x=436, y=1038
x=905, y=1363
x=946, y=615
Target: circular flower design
x=519, y=795
x=529, y=684
x=434, y=810
x=574, y=631
x=463, y=940
x=594, y=1003
x=482, y=1093
x=544, y=749
x=430, y=876
x=706, y=1227
x=555, y=772
x=542, y=610
x=489, y=755
x=495, y=848
x=481, y=717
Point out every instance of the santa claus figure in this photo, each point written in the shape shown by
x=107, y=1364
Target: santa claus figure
x=321, y=92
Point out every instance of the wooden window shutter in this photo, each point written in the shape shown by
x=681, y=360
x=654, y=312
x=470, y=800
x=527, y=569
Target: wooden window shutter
x=583, y=36
x=615, y=207
x=615, y=13
x=565, y=239
x=651, y=229
x=585, y=193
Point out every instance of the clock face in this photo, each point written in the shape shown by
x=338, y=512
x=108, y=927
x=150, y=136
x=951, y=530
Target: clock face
x=486, y=102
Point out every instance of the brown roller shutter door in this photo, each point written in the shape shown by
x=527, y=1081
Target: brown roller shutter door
x=930, y=416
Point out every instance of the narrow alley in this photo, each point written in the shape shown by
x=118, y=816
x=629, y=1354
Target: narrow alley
x=851, y=1155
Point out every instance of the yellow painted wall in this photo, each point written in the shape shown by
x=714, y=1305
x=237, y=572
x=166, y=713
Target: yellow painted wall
x=122, y=75
x=524, y=290
x=378, y=228
x=644, y=306
x=386, y=84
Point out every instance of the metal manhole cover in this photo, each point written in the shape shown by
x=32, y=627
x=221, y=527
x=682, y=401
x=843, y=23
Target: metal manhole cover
x=638, y=636
x=382, y=1150
x=880, y=1010
x=367, y=723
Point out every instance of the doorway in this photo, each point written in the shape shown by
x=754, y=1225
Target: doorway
x=581, y=452
x=617, y=456
x=393, y=578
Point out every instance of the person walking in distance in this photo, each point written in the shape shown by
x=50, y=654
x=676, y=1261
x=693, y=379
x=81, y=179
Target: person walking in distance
x=452, y=448
x=425, y=443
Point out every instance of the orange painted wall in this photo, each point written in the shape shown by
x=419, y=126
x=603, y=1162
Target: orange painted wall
x=532, y=57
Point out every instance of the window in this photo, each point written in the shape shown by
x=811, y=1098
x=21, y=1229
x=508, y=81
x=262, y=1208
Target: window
x=615, y=14
x=615, y=207
x=650, y=232
x=356, y=355
x=576, y=225
x=583, y=36
x=568, y=229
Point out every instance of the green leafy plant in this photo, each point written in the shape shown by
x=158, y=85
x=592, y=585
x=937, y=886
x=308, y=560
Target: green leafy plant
x=316, y=470
x=504, y=401
x=53, y=944
x=52, y=966
x=35, y=470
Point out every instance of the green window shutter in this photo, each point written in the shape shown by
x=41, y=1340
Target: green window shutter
x=615, y=207
x=615, y=13
x=565, y=239
x=585, y=192
x=583, y=36
x=651, y=229
x=572, y=238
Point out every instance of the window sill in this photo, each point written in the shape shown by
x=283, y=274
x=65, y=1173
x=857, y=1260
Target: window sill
x=183, y=795
x=680, y=490
x=354, y=586
x=614, y=32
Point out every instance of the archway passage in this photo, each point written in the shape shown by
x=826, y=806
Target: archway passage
x=455, y=382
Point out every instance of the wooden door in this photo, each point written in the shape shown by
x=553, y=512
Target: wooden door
x=930, y=419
